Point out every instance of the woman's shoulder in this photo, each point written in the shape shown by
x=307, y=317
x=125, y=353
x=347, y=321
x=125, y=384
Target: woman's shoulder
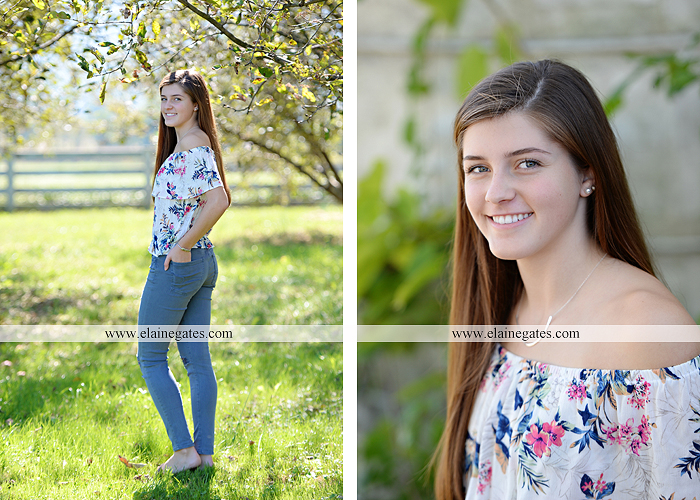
x=195, y=140
x=635, y=297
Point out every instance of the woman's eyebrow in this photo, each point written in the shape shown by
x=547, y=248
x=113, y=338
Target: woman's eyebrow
x=517, y=152
x=522, y=151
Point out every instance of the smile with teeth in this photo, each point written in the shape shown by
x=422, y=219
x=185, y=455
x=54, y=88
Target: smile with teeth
x=509, y=219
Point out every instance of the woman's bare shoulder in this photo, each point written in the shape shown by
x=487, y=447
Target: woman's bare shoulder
x=195, y=139
x=638, y=298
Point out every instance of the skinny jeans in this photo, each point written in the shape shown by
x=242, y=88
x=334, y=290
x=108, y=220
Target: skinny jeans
x=181, y=296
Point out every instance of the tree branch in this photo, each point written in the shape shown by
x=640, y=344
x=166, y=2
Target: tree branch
x=38, y=48
x=337, y=193
x=228, y=34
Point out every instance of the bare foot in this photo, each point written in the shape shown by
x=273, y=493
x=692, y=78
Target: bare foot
x=206, y=461
x=184, y=459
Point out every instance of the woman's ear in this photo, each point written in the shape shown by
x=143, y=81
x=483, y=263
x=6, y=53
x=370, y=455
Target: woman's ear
x=588, y=184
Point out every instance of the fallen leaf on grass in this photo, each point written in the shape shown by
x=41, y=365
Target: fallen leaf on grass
x=131, y=465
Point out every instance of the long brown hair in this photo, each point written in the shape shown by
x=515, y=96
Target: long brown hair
x=194, y=86
x=485, y=288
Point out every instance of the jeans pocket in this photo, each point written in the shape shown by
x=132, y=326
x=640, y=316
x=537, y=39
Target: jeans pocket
x=187, y=277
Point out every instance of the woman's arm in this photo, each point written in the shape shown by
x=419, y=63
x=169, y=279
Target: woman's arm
x=214, y=207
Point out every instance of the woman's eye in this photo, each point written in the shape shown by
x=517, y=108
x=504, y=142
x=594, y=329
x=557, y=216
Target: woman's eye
x=476, y=169
x=527, y=164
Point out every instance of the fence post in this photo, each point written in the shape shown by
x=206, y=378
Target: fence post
x=10, y=187
x=147, y=172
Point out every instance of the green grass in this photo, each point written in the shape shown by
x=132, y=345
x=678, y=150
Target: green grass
x=277, y=265
x=68, y=410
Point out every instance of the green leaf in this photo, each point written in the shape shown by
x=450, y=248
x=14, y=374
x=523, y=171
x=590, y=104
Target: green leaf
x=142, y=59
x=507, y=44
x=472, y=66
x=62, y=15
x=142, y=30
x=155, y=26
x=82, y=62
x=97, y=55
x=266, y=72
x=446, y=11
x=103, y=91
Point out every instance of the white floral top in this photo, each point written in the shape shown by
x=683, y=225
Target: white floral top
x=542, y=431
x=180, y=192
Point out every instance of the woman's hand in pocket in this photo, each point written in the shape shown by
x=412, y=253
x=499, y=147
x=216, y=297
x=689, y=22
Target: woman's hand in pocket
x=176, y=254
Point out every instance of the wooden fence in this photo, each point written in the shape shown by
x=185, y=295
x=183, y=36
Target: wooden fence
x=140, y=163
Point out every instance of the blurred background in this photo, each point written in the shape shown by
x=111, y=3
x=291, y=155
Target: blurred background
x=417, y=60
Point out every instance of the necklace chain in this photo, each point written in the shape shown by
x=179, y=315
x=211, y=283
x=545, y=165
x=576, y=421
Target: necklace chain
x=190, y=130
x=549, y=321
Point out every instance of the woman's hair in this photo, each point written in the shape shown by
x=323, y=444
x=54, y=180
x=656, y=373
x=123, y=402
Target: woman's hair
x=194, y=86
x=485, y=288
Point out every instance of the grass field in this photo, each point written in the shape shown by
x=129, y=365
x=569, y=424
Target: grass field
x=277, y=265
x=68, y=410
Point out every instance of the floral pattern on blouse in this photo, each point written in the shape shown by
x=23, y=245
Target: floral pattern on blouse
x=180, y=192
x=545, y=431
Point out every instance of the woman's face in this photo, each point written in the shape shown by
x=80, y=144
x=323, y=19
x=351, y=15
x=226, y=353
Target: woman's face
x=176, y=106
x=522, y=189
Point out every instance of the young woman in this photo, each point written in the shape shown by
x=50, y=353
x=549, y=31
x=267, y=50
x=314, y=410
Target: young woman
x=546, y=233
x=190, y=194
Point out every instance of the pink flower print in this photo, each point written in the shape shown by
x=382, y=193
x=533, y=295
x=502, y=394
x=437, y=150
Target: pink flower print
x=556, y=432
x=538, y=441
x=626, y=430
x=596, y=490
x=500, y=376
x=640, y=396
x=542, y=439
x=485, y=471
x=612, y=435
x=635, y=445
x=577, y=390
x=644, y=430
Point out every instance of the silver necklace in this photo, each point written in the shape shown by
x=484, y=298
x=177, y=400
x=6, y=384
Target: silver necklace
x=190, y=130
x=549, y=321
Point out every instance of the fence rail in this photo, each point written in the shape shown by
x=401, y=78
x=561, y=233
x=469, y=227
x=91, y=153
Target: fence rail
x=255, y=194
x=141, y=155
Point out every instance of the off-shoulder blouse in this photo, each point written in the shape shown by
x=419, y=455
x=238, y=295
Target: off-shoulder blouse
x=180, y=193
x=544, y=431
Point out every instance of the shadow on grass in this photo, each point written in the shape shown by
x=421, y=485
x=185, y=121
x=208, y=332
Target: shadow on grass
x=30, y=302
x=183, y=486
x=52, y=392
x=286, y=238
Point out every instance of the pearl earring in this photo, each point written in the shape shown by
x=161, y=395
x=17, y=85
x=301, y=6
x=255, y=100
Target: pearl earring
x=590, y=190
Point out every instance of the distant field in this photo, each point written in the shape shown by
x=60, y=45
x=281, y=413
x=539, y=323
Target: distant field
x=277, y=265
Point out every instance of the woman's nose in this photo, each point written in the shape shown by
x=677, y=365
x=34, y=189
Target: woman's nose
x=500, y=189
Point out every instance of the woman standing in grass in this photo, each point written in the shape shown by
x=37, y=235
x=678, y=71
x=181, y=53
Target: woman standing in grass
x=546, y=233
x=190, y=194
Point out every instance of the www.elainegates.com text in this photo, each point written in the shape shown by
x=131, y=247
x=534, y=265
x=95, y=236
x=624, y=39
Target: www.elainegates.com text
x=157, y=334
x=506, y=334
